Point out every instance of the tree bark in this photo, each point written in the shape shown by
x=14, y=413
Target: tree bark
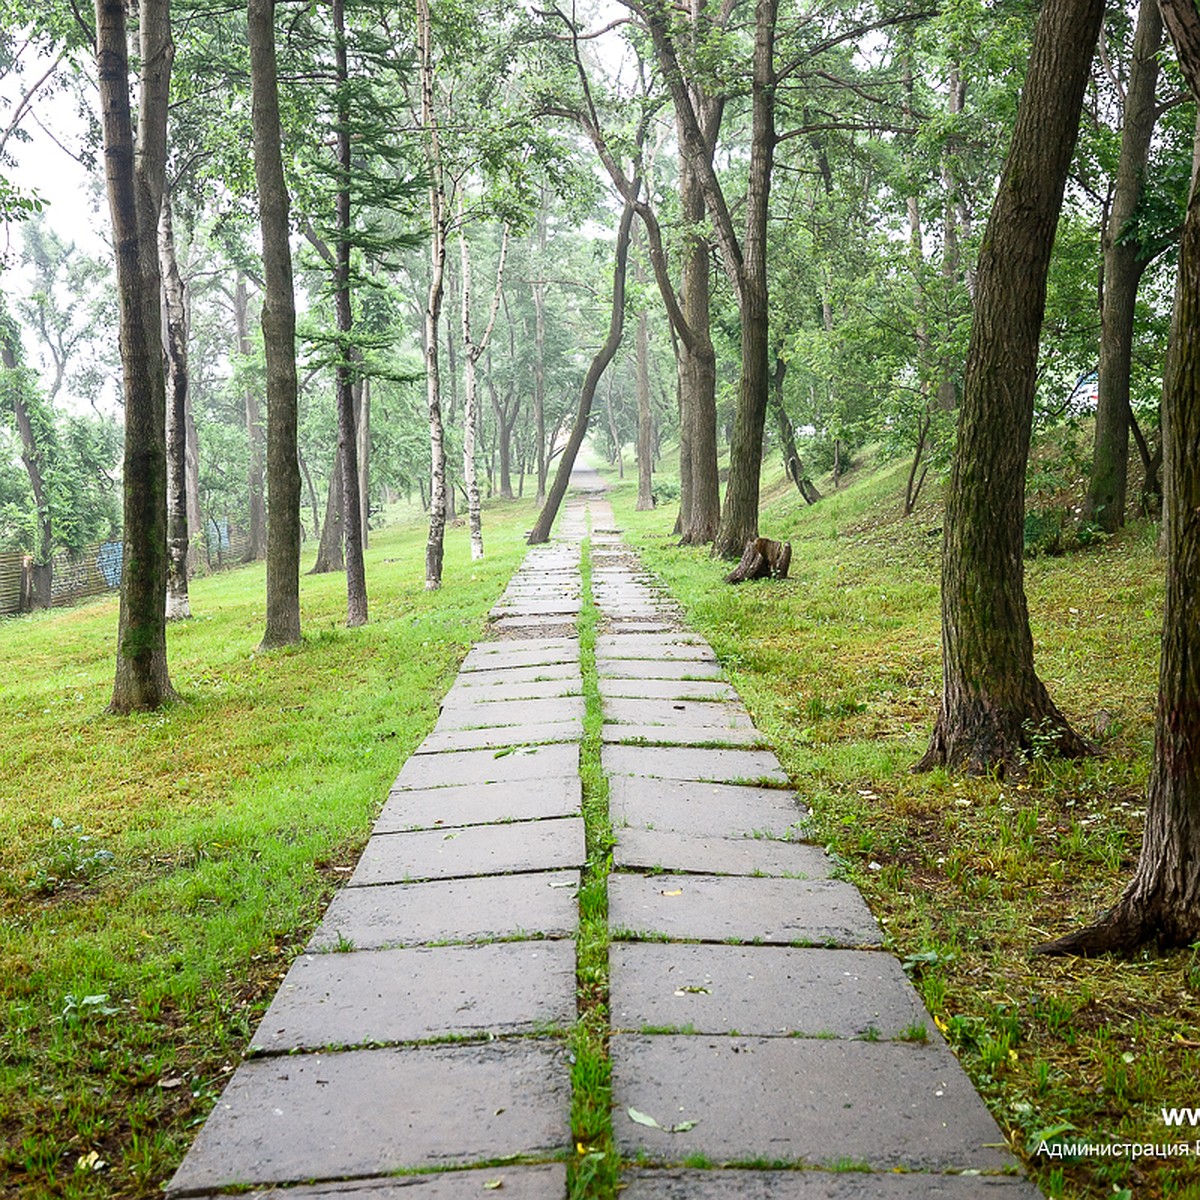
x=700, y=488
x=352, y=524
x=604, y=356
x=787, y=439
x=1123, y=267
x=645, y=435
x=175, y=303
x=1162, y=902
x=473, y=351
x=329, y=546
x=539, y=356
x=135, y=179
x=279, y=338
x=32, y=456
x=992, y=700
x=256, y=543
x=434, y=546
x=744, y=261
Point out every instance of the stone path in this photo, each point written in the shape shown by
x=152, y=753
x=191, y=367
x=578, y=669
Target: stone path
x=419, y=1046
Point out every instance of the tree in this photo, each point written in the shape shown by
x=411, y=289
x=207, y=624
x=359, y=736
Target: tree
x=1162, y=901
x=356, y=579
x=992, y=699
x=279, y=338
x=1124, y=262
x=434, y=545
x=616, y=325
x=35, y=431
x=745, y=259
x=135, y=178
x=175, y=306
x=473, y=351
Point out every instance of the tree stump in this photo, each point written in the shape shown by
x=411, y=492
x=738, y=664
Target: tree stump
x=762, y=558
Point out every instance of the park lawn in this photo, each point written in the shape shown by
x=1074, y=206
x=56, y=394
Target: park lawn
x=840, y=666
x=159, y=872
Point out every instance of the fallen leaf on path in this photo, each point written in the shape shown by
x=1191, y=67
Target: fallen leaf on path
x=645, y=1119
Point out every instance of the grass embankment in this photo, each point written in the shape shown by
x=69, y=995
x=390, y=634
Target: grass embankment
x=840, y=666
x=158, y=872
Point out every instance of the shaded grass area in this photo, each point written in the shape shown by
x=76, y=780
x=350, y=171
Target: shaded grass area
x=159, y=872
x=840, y=667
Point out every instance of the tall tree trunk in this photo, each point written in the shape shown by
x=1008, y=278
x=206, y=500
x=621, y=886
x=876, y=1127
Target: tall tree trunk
x=539, y=354
x=41, y=591
x=645, y=436
x=279, y=338
x=992, y=700
x=1123, y=267
x=434, y=546
x=329, y=547
x=614, y=435
x=135, y=180
x=472, y=352
x=700, y=488
x=363, y=424
x=739, y=514
x=312, y=495
x=256, y=543
x=352, y=524
x=604, y=356
x=191, y=483
x=792, y=462
x=1162, y=902
x=175, y=302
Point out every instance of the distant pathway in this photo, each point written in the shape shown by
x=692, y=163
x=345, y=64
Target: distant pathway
x=752, y=1020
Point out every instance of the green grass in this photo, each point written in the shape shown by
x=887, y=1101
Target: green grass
x=840, y=667
x=595, y=1168
x=174, y=863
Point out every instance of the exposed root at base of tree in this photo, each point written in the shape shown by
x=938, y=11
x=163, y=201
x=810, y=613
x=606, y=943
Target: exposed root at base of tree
x=1131, y=924
x=984, y=740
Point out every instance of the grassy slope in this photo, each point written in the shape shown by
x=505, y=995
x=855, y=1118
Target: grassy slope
x=229, y=819
x=840, y=666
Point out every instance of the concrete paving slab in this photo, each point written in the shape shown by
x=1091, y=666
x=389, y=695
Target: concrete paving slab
x=658, y=849
x=367, y=1112
x=518, y=628
x=680, y=735
x=467, y=695
x=644, y=668
x=703, y=809
x=547, y=1181
x=377, y=997
x=887, y=1104
x=453, y=910
x=706, y=908
x=529, y=606
x=692, y=714
x=476, y=850
x=666, y=689
x=480, y=804
x=682, y=1184
x=502, y=655
x=768, y=991
x=512, y=677
x=623, y=624
x=678, y=647
x=486, y=766
x=713, y=766
x=467, y=711
x=497, y=737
